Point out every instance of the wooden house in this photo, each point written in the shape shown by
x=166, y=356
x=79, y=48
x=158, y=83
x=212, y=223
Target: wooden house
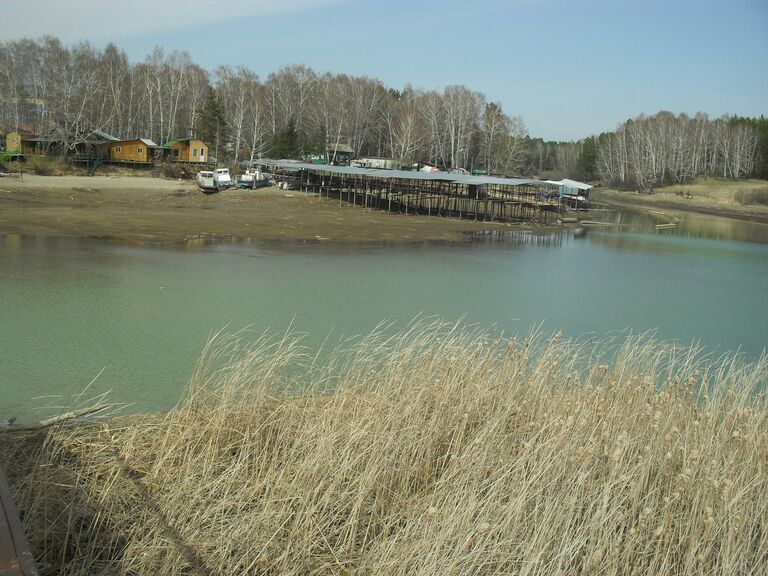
x=22, y=142
x=134, y=150
x=94, y=145
x=187, y=150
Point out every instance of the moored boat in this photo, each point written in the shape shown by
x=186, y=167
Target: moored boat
x=252, y=178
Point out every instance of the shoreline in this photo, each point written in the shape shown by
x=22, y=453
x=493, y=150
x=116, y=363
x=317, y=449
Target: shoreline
x=148, y=211
x=723, y=207
x=164, y=212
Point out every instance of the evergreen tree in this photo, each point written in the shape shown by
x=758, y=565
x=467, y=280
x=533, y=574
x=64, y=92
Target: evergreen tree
x=587, y=162
x=761, y=170
x=285, y=143
x=212, y=127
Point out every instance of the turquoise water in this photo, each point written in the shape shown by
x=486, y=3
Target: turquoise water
x=72, y=309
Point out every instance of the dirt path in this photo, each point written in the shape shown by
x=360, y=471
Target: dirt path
x=154, y=210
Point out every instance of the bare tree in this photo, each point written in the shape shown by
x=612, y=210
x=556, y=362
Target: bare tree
x=462, y=109
x=404, y=125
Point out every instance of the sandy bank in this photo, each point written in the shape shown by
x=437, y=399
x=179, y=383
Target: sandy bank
x=154, y=210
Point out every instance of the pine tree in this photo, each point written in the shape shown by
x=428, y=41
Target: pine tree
x=211, y=125
x=285, y=143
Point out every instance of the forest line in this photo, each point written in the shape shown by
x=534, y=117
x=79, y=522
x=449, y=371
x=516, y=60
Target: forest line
x=67, y=92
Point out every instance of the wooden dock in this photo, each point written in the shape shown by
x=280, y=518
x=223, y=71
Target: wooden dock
x=478, y=198
x=15, y=556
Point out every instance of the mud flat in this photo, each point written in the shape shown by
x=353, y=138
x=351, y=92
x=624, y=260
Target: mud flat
x=153, y=210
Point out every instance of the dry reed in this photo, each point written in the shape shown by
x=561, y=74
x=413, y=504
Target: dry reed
x=441, y=450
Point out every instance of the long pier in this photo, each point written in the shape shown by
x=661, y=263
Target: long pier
x=479, y=198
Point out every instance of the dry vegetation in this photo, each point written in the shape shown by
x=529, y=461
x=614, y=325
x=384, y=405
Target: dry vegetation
x=47, y=166
x=754, y=197
x=441, y=450
x=718, y=190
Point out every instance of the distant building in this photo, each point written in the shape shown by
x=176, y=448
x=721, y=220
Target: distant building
x=336, y=155
x=339, y=154
x=572, y=193
x=378, y=163
x=135, y=150
x=187, y=150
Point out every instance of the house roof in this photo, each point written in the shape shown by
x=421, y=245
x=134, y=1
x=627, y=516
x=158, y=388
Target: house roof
x=346, y=148
x=26, y=134
x=570, y=184
x=99, y=136
x=146, y=141
x=170, y=143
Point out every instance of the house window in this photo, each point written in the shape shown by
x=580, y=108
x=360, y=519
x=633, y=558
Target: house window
x=176, y=152
x=139, y=150
x=194, y=152
x=117, y=148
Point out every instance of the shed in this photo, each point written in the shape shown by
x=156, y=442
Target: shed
x=572, y=192
x=134, y=150
x=339, y=154
x=187, y=150
x=566, y=187
x=94, y=145
x=22, y=142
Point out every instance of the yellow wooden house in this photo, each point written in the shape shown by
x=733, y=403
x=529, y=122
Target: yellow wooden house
x=135, y=150
x=187, y=150
x=23, y=142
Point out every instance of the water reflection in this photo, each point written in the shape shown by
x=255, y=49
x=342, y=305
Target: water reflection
x=689, y=225
x=527, y=237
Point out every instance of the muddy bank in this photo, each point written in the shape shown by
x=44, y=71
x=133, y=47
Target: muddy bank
x=154, y=210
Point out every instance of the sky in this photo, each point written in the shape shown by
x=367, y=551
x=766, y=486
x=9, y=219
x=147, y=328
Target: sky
x=568, y=68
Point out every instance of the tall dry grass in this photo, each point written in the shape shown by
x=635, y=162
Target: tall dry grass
x=442, y=450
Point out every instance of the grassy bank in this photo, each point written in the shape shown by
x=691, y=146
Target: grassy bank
x=739, y=199
x=438, y=451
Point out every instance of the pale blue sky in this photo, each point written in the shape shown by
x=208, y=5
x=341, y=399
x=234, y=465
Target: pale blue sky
x=568, y=68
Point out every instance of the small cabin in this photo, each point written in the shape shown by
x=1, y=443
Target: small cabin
x=187, y=150
x=135, y=150
x=94, y=145
x=22, y=142
x=335, y=154
x=340, y=154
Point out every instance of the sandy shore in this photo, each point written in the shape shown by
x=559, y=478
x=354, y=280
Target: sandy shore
x=153, y=210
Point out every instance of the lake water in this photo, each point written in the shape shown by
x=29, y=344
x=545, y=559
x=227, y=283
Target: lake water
x=70, y=308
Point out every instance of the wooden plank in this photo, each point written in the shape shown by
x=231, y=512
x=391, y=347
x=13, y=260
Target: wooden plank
x=15, y=557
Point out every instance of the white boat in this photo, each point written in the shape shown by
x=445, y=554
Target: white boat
x=211, y=182
x=252, y=178
x=206, y=181
x=222, y=178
